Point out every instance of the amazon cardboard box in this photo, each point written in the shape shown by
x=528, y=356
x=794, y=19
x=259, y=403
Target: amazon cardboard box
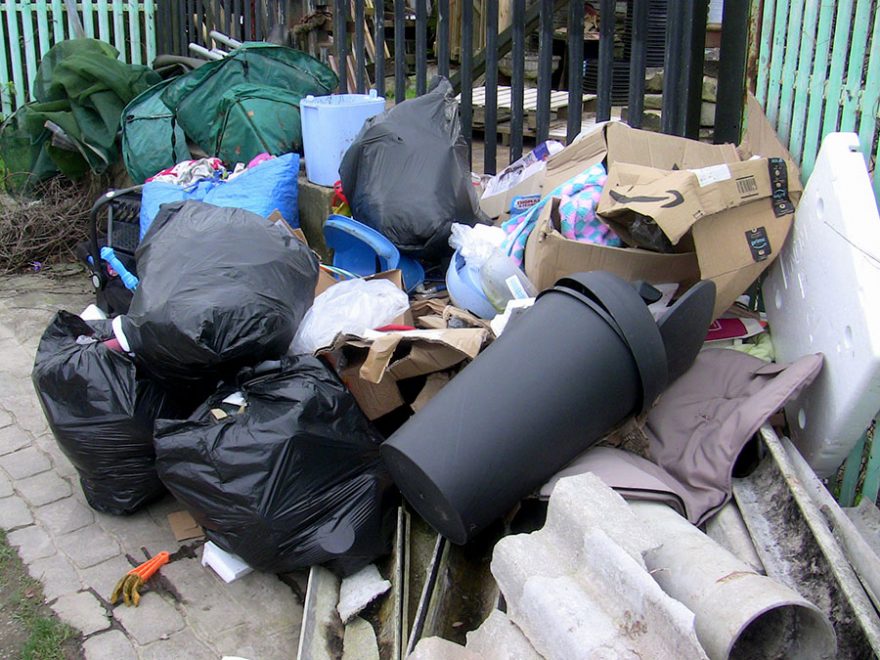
x=727, y=218
x=378, y=366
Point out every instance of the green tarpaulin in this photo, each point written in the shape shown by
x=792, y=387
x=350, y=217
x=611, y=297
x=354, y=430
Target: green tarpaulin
x=80, y=91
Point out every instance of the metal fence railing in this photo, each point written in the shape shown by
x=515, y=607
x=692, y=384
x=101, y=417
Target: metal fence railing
x=28, y=28
x=400, y=43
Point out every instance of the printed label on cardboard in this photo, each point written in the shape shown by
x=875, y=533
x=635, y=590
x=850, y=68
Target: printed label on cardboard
x=779, y=185
x=759, y=243
x=712, y=174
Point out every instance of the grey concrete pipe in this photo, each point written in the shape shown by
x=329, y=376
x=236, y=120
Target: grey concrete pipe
x=739, y=613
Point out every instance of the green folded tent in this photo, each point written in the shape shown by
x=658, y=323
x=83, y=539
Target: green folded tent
x=151, y=137
x=195, y=98
x=254, y=119
x=80, y=89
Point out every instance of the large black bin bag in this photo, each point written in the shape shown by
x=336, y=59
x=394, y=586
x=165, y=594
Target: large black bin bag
x=101, y=409
x=286, y=478
x=220, y=288
x=407, y=175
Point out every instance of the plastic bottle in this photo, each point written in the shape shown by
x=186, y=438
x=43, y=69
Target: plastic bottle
x=502, y=280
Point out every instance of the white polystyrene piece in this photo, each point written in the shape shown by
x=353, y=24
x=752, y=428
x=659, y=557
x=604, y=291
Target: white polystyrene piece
x=93, y=313
x=228, y=566
x=823, y=296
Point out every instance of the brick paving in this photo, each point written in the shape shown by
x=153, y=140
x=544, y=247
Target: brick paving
x=78, y=554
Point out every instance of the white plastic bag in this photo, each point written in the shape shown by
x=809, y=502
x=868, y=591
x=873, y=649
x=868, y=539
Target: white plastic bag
x=475, y=244
x=351, y=306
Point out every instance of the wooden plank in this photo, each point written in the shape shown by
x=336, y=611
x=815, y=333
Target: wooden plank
x=776, y=61
x=857, y=46
x=558, y=99
x=6, y=104
x=839, y=53
x=29, y=45
x=134, y=31
x=58, y=20
x=88, y=20
x=19, y=86
x=43, y=27
x=816, y=102
x=150, y=29
x=119, y=27
x=103, y=21
x=766, y=49
x=852, y=467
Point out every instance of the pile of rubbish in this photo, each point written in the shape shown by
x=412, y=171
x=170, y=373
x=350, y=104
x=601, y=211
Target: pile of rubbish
x=471, y=344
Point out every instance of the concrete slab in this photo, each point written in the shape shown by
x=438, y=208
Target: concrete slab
x=579, y=587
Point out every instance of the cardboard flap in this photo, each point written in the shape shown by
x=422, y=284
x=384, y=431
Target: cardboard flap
x=428, y=351
x=379, y=357
x=549, y=256
x=433, y=384
x=676, y=200
x=374, y=399
x=664, y=152
x=587, y=150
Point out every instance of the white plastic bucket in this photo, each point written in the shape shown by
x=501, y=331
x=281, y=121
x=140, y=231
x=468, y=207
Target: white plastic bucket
x=329, y=126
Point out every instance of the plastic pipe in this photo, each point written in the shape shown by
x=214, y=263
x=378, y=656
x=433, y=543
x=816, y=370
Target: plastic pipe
x=128, y=279
x=738, y=613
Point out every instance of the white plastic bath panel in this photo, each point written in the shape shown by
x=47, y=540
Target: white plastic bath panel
x=823, y=296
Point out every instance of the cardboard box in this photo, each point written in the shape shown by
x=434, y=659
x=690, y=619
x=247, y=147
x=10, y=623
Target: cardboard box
x=549, y=256
x=496, y=204
x=727, y=217
x=376, y=363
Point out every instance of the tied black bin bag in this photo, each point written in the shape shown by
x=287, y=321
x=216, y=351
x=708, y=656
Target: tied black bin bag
x=407, y=175
x=101, y=409
x=221, y=288
x=286, y=475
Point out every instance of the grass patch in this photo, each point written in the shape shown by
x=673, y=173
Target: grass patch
x=28, y=628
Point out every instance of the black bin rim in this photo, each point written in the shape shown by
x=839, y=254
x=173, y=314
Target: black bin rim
x=633, y=323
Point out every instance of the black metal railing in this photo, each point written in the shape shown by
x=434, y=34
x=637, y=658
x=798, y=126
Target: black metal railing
x=413, y=21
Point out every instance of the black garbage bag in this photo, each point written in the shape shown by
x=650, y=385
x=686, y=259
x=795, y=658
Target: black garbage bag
x=101, y=408
x=220, y=288
x=407, y=175
x=286, y=474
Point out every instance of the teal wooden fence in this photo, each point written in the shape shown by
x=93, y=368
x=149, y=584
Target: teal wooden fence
x=818, y=71
x=28, y=28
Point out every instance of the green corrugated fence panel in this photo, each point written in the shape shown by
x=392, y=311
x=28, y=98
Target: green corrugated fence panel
x=31, y=27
